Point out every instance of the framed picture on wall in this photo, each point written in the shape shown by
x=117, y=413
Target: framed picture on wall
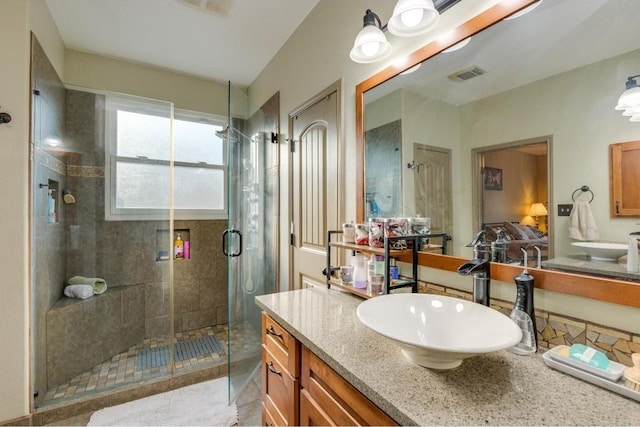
x=492, y=179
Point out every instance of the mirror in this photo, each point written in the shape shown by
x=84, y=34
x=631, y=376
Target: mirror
x=547, y=75
x=555, y=73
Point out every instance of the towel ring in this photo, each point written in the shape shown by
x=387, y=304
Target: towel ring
x=584, y=189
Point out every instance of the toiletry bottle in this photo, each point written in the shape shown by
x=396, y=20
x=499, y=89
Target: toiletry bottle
x=524, y=316
x=393, y=269
x=178, y=247
x=359, y=272
x=632, y=253
x=589, y=355
x=187, y=249
x=51, y=207
x=371, y=268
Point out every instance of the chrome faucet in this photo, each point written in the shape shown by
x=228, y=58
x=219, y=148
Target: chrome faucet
x=479, y=267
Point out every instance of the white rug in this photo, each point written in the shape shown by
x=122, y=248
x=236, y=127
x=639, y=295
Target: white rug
x=203, y=404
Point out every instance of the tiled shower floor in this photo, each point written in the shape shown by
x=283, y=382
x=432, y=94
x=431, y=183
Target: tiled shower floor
x=123, y=369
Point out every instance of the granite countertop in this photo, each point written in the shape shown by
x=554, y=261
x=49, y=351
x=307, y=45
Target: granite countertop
x=584, y=264
x=500, y=388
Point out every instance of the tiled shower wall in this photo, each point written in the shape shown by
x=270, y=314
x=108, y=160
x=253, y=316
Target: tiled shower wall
x=124, y=252
x=384, y=173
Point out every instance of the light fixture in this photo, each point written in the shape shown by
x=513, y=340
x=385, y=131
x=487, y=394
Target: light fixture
x=629, y=101
x=410, y=18
x=524, y=11
x=411, y=70
x=413, y=17
x=536, y=210
x=462, y=43
x=370, y=45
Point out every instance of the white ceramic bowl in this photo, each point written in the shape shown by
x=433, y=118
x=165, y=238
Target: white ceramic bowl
x=602, y=251
x=436, y=331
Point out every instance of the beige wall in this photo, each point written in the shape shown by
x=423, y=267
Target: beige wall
x=14, y=254
x=86, y=70
x=519, y=186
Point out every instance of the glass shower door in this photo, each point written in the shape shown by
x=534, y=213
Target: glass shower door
x=251, y=262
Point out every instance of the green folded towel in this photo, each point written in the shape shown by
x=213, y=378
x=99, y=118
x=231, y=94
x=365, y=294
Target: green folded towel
x=98, y=285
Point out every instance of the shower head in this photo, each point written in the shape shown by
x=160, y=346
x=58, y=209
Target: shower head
x=223, y=134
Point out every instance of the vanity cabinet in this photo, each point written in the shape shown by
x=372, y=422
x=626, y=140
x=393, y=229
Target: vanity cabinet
x=327, y=399
x=624, y=159
x=298, y=388
x=280, y=375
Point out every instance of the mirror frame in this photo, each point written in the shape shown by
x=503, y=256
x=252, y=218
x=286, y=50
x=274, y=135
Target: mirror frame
x=598, y=288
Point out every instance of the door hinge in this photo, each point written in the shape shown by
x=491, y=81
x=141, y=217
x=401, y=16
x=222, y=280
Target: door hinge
x=274, y=138
x=292, y=239
x=292, y=144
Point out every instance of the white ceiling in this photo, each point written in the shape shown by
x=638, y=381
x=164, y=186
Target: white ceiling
x=171, y=35
x=557, y=36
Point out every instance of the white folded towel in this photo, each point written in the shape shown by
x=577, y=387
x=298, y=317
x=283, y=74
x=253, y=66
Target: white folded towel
x=99, y=285
x=582, y=225
x=78, y=291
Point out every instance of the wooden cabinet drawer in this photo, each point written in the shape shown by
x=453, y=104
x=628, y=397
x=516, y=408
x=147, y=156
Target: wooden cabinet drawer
x=283, y=347
x=329, y=391
x=268, y=419
x=279, y=391
x=310, y=413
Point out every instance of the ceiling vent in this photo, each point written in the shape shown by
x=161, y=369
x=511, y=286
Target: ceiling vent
x=215, y=7
x=467, y=73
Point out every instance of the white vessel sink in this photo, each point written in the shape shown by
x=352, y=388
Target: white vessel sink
x=436, y=331
x=602, y=251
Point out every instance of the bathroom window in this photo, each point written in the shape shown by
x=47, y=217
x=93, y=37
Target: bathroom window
x=138, y=181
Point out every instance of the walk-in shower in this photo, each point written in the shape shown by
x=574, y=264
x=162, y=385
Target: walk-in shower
x=187, y=319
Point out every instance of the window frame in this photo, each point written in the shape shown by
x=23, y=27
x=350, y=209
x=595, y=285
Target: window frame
x=163, y=109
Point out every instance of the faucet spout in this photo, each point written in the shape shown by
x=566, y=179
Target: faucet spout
x=479, y=238
x=479, y=268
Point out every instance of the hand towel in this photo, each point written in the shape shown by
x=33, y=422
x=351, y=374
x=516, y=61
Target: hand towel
x=78, y=291
x=99, y=285
x=582, y=225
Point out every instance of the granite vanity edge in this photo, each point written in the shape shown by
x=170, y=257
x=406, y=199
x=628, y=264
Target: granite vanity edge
x=389, y=408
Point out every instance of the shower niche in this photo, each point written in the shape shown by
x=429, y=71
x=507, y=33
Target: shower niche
x=169, y=248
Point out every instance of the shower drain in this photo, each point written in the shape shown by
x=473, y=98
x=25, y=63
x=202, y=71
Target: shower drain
x=159, y=356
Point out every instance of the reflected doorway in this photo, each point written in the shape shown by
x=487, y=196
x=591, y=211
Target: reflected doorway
x=432, y=185
x=513, y=186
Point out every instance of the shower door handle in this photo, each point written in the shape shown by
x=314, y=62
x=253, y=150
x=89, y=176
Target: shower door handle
x=224, y=242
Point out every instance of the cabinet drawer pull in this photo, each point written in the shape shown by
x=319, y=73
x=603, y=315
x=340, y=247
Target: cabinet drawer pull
x=273, y=332
x=272, y=369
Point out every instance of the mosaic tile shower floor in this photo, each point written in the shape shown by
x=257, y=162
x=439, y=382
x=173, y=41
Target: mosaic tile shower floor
x=124, y=369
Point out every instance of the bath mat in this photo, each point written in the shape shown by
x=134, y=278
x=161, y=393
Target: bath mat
x=203, y=404
x=159, y=356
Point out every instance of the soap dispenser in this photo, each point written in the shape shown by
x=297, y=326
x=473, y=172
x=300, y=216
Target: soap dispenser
x=632, y=252
x=523, y=313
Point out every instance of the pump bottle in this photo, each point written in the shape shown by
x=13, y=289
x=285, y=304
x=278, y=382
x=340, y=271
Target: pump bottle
x=178, y=247
x=523, y=313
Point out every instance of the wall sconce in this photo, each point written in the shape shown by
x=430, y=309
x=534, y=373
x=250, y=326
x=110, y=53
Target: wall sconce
x=410, y=18
x=629, y=101
x=536, y=210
